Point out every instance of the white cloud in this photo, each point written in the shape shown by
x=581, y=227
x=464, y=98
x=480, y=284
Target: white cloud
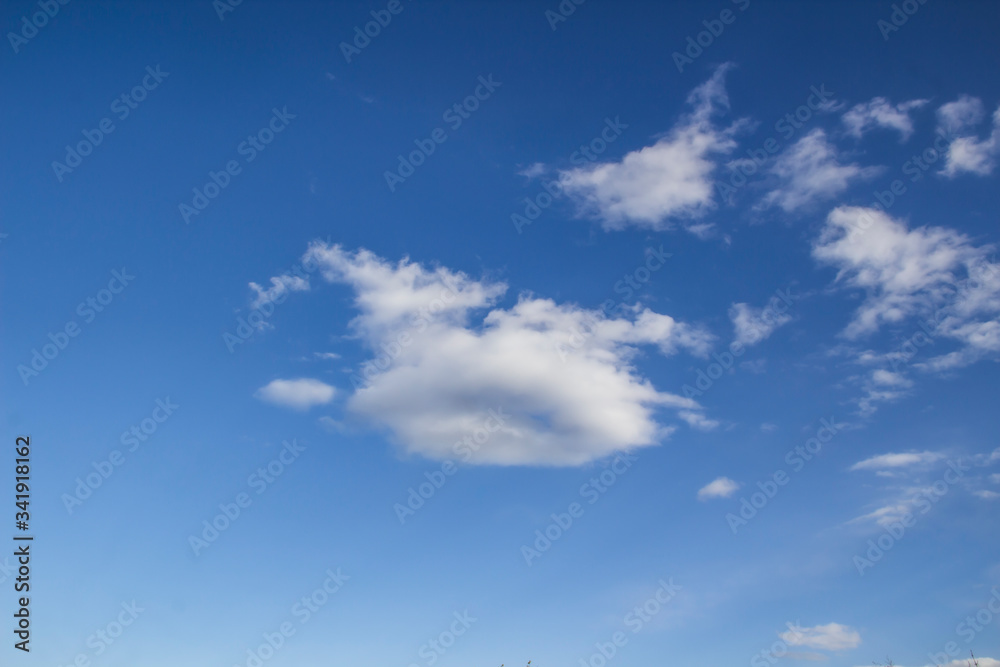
x=810, y=171
x=995, y=478
x=753, y=325
x=897, y=460
x=562, y=376
x=768, y=427
x=298, y=394
x=671, y=179
x=986, y=495
x=830, y=637
x=880, y=113
x=966, y=152
x=958, y=116
x=722, y=487
x=280, y=285
x=932, y=272
x=328, y=356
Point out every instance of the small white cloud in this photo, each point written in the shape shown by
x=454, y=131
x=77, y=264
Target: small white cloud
x=669, y=180
x=880, y=113
x=298, y=394
x=987, y=495
x=534, y=170
x=698, y=420
x=890, y=379
x=329, y=356
x=829, y=637
x=280, y=285
x=722, y=487
x=995, y=478
x=753, y=325
x=810, y=171
x=768, y=427
x=968, y=153
x=900, y=460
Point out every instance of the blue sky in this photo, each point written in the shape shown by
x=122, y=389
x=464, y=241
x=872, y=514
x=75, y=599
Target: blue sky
x=509, y=331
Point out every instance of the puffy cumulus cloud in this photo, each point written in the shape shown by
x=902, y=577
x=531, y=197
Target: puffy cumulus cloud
x=967, y=152
x=721, y=487
x=897, y=460
x=667, y=181
x=809, y=171
x=829, y=637
x=560, y=377
x=299, y=394
x=879, y=112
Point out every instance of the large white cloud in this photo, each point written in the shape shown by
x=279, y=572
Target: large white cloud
x=809, y=171
x=561, y=378
x=667, y=181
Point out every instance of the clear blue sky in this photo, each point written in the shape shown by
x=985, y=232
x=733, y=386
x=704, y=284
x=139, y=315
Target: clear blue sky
x=199, y=276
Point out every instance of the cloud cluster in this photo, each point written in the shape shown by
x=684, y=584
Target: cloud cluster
x=967, y=152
